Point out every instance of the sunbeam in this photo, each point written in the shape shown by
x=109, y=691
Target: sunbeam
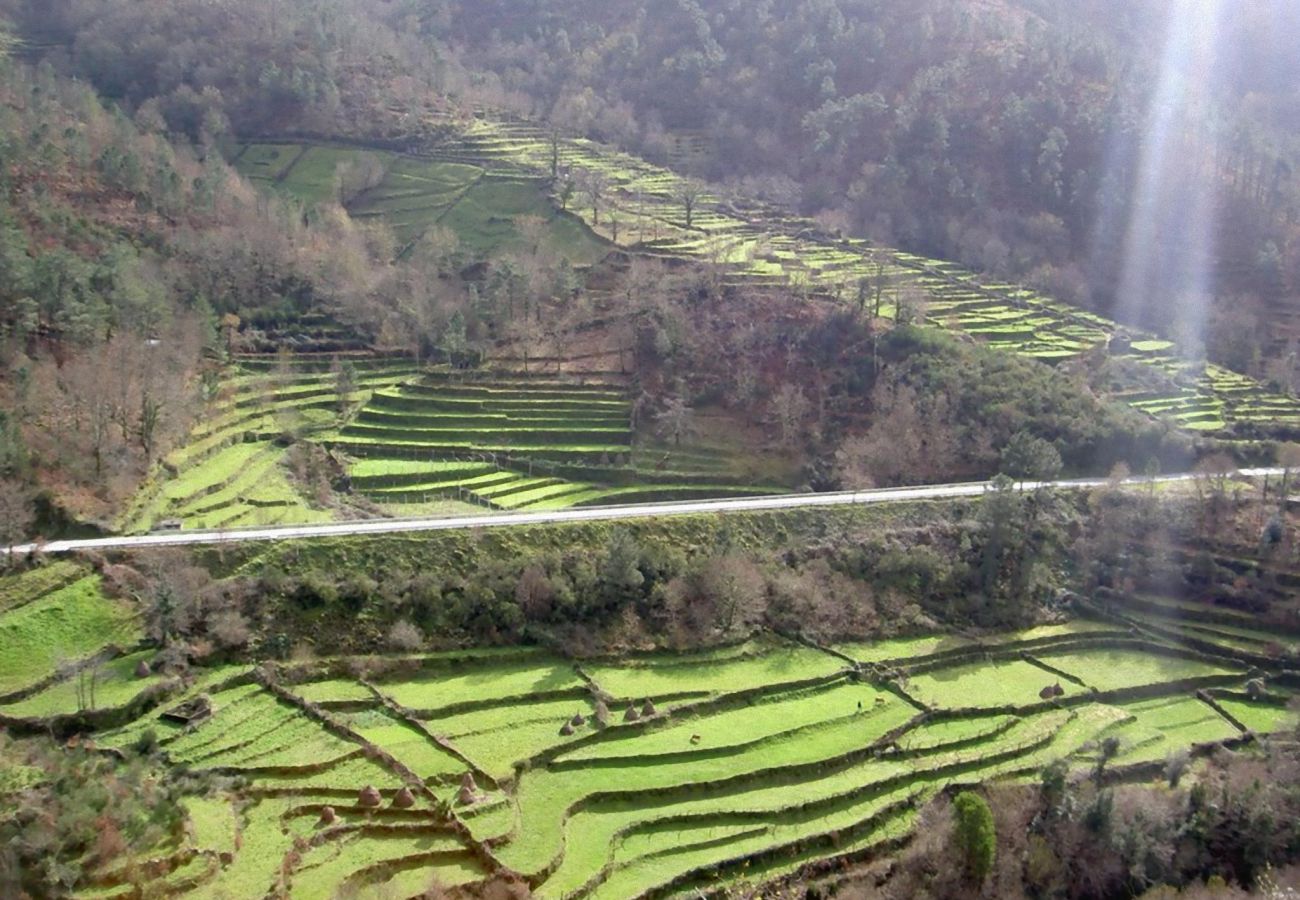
x=1169, y=238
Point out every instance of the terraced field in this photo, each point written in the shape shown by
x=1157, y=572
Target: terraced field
x=425, y=441
x=644, y=775
x=758, y=244
x=496, y=169
x=416, y=194
x=517, y=441
x=232, y=470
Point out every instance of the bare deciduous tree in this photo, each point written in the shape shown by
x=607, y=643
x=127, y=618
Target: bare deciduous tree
x=688, y=193
x=911, y=438
x=593, y=186
x=17, y=512
x=676, y=419
x=790, y=406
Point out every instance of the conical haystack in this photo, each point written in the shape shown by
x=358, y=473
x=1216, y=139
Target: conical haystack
x=403, y=799
x=468, y=793
x=631, y=715
x=369, y=797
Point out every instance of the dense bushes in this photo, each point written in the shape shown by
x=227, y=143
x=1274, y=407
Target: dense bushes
x=1072, y=837
x=82, y=811
x=977, y=840
x=991, y=563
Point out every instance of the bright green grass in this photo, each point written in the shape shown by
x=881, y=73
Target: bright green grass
x=66, y=625
x=237, y=485
x=203, y=682
x=902, y=648
x=635, y=876
x=659, y=677
x=667, y=493
x=448, y=872
x=433, y=508
x=408, y=745
x=114, y=684
x=771, y=715
x=326, y=870
x=554, y=496
x=1262, y=718
x=380, y=468
x=334, y=690
x=239, y=714
x=212, y=823
x=489, y=819
x=349, y=774
x=497, y=737
x=845, y=796
x=938, y=734
x=1108, y=670
x=257, y=733
x=258, y=517
x=262, y=848
x=1167, y=725
x=1073, y=628
x=897, y=827
x=543, y=795
x=762, y=774
x=437, y=688
x=1008, y=682
x=24, y=587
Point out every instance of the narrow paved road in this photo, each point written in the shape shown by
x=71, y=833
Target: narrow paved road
x=597, y=514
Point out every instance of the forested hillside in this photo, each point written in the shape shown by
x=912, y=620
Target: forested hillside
x=124, y=251
x=1008, y=135
x=299, y=299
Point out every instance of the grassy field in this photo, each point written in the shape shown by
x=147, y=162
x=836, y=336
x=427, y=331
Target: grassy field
x=1164, y=726
x=1000, y=683
x=233, y=471
x=416, y=443
x=757, y=758
x=65, y=626
x=106, y=686
x=1115, y=669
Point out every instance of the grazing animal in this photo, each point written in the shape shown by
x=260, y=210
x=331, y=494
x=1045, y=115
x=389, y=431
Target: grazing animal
x=695, y=739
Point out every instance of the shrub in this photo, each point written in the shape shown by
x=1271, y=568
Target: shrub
x=1176, y=766
x=146, y=743
x=975, y=834
x=405, y=637
x=356, y=591
x=229, y=629
x=315, y=590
